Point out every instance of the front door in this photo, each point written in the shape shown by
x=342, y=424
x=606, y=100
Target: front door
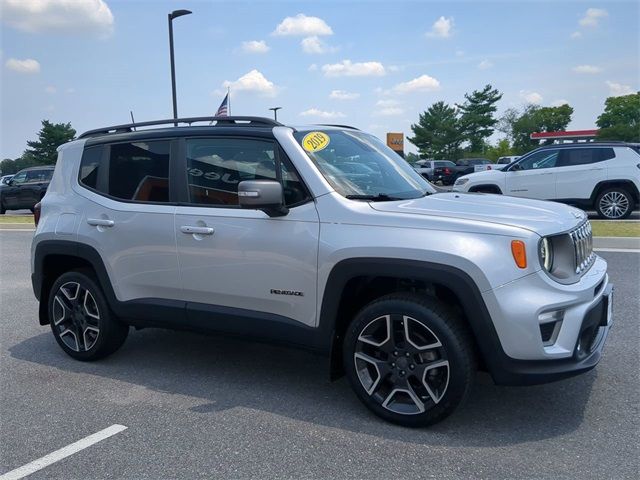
x=233, y=257
x=535, y=176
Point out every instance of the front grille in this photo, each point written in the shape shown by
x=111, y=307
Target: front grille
x=582, y=239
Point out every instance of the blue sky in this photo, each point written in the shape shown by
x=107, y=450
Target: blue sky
x=372, y=64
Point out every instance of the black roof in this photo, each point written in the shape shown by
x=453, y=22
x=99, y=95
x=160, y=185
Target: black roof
x=38, y=167
x=235, y=121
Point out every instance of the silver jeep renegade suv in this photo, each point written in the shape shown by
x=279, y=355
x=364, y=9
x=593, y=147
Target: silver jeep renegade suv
x=320, y=237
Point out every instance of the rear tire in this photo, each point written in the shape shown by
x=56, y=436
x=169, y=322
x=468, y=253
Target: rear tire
x=80, y=318
x=409, y=359
x=615, y=203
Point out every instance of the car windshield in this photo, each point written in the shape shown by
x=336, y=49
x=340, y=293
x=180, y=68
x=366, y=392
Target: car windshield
x=359, y=166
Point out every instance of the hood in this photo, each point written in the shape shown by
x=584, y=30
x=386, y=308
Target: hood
x=541, y=217
x=488, y=174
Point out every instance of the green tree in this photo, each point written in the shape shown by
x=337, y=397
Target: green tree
x=620, y=119
x=520, y=125
x=412, y=158
x=477, y=119
x=502, y=149
x=437, y=133
x=50, y=137
x=8, y=167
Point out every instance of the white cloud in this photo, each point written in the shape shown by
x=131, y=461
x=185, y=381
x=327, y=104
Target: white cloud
x=588, y=69
x=314, y=44
x=28, y=65
x=343, y=95
x=314, y=112
x=592, y=17
x=348, y=69
x=618, y=89
x=50, y=89
x=65, y=16
x=303, y=26
x=388, y=108
x=485, y=64
x=387, y=103
x=531, y=97
x=70, y=90
x=423, y=83
x=313, y=67
x=389, y=111
x=255, y=46
x=576, y=34
x=459, y=53
x=559, y=103
x=254, y=81
x=441, y=28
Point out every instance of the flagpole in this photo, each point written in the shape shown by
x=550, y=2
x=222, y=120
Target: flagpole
x=229, y=100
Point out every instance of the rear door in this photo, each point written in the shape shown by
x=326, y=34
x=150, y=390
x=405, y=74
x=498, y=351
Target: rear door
x=579, y=170
x=535, y=177
x=239, y=258
x=128, y=216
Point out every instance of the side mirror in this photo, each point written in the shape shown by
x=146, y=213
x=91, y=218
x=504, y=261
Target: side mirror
x=516, y=167
x=265, y=195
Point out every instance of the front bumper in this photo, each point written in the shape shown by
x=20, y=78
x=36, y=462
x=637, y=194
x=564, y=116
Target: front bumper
x=581, y=314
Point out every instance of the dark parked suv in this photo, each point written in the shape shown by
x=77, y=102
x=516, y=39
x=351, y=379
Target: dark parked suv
x=25, y=189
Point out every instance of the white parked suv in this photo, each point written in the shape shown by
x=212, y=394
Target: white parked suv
x=600, y=176
x=251, y=227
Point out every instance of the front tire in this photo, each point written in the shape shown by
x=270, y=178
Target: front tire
x=409, y=359
x=614, y=203
x=80, y=318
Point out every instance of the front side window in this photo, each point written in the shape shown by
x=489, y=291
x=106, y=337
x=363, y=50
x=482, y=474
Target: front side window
x=19, y=178
x=139, y=171
x=539, y=160
x=359, y=166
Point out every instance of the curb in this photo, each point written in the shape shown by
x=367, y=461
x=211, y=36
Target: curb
x=17, y=226
x=617, y=242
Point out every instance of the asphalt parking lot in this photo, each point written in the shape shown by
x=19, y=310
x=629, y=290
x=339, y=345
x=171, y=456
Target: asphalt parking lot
x=214, y=407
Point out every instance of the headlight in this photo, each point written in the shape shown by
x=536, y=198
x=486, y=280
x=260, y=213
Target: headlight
x=461, y=181
x=546, y=254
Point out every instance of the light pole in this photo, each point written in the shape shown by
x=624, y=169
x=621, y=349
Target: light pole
x=172, y=15
x=275, y=112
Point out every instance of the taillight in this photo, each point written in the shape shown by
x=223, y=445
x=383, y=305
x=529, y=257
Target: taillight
x=447, y=171
x=36, y=213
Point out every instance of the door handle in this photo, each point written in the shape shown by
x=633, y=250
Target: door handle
x=100, y=222
x=596, y=169
x=191, y=230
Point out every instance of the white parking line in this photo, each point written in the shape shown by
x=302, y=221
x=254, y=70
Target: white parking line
x=64, y=452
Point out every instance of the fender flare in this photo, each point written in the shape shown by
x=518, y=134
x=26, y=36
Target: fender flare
x=456, y=280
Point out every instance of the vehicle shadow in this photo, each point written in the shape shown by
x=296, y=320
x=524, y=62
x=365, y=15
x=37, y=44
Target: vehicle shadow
x=227, y=372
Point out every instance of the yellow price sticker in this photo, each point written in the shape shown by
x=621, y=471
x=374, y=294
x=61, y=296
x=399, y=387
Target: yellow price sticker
x=315, y=141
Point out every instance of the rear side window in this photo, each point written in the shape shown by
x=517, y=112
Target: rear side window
x=90, y=167
x=585, y=156
x=139, y=171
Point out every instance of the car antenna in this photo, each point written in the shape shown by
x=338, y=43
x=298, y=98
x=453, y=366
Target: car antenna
x=132, y=120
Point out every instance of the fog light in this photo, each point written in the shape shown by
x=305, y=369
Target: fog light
x=550, y=323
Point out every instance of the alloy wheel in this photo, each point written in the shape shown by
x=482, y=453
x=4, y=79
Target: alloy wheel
x=76, y=317
x=401, y=364
x=614, y=204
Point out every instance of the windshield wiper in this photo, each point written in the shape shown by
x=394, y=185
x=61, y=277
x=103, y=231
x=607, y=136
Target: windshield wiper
x=380, y=197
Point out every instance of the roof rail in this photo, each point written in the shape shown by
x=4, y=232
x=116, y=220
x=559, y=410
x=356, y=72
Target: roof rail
x=336, y=125
x=234, y=120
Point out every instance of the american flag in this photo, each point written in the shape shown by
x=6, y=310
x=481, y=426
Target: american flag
x=223, y=109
